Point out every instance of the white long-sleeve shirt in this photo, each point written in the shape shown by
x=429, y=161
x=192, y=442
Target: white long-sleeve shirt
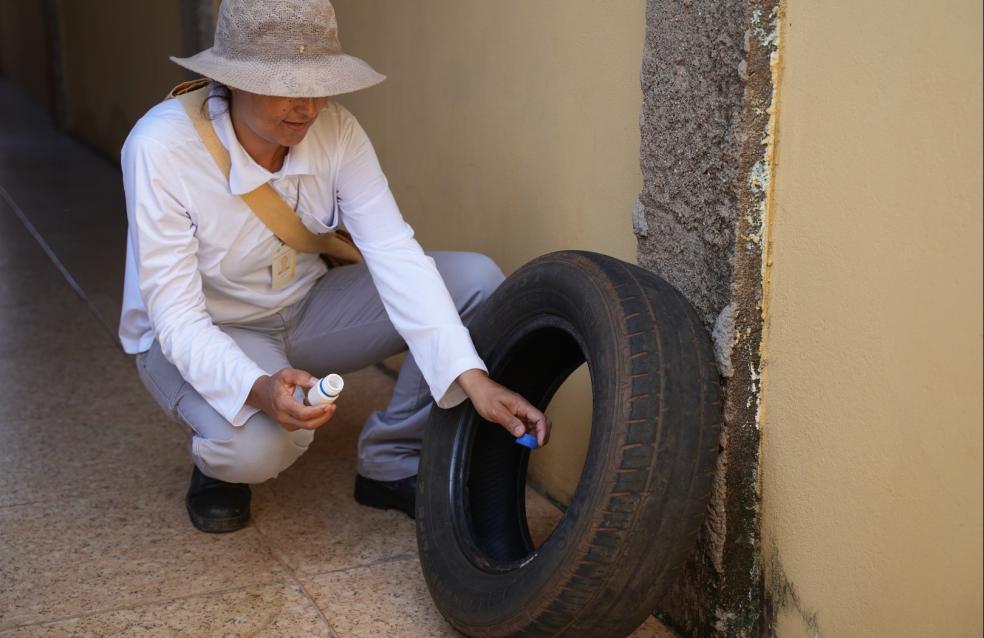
x=197, y=256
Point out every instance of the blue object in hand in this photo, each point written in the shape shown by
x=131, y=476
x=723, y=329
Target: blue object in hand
x=529, y=440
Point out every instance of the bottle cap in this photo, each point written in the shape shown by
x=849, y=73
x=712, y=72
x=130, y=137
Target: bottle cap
x=331, y=386
x=528, y=440
x=326, y=390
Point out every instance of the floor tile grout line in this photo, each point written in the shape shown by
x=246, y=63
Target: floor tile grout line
x=37, y=502
x=293, y=576
x=73, y=498
x=56, y=261
x=99, y=420
x=156, y=601
x=383, y=561
x=47, y=417
x=59, y=498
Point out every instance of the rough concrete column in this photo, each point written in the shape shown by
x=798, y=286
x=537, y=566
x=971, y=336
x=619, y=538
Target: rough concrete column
x=706, y=155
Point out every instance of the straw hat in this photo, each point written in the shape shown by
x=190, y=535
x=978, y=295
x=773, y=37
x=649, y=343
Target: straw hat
x=287, y=48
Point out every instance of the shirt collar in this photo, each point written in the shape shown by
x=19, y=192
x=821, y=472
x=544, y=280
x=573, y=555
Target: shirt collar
x=245, y=175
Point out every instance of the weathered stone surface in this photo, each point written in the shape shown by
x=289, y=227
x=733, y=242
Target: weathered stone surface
x=708, y=78
x=691, y=113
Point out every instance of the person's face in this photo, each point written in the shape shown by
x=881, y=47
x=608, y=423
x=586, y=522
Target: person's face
x=279, y=120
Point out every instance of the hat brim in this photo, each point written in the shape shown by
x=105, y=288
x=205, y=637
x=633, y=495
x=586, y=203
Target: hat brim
x=318, y=75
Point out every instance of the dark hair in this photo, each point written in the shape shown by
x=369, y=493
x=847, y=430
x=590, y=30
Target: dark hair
x=216, y=91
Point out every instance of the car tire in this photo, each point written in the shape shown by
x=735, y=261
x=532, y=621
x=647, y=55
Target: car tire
x=644, y=487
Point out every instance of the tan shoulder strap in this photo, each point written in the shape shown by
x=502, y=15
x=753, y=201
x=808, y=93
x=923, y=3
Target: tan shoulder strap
x=265, y=202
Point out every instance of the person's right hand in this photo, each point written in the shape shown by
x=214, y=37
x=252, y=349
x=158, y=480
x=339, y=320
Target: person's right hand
x=275, y=396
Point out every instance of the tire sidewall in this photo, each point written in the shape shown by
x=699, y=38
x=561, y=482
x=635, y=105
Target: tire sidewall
x=498, y=599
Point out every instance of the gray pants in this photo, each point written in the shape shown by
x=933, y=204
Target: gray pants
x=341, y=326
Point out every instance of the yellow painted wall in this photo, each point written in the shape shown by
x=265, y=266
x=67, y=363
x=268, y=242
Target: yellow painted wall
x=871, y=457
x=509, y=128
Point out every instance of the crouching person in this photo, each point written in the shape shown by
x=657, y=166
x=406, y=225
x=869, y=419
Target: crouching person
x=233, y=189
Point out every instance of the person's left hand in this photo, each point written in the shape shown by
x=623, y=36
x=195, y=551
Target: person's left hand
x=498, y=404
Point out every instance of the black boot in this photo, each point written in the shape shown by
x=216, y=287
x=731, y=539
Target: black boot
x=215, y=506
x=384, y=495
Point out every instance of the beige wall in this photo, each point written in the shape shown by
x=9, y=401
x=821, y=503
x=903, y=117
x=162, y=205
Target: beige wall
x=506, y=127
x=116, y=64
x=509, y=128
x=871, y=464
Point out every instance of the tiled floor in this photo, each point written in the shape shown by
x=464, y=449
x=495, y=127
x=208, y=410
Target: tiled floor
x=94, y=539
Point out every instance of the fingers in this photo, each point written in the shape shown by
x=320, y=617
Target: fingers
x=291, y=412
x=536, y=421
x=293, y=376
x=317, y=422
x=498, y=404
x=501, y=414
x=324, y=413
x=518, y=416
x=297, y=410
x=511, y=423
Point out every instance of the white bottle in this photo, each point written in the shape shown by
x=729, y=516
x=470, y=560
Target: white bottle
x=326, y=390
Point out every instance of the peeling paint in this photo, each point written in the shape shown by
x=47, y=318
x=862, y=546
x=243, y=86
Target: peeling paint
x=770, y=149
x=767, y=34
x=761, y=185
x=723, y=335
x=779, y=592
x=767, y=194
x=639, y=224
x=758, y=162
x=754, y=395
x=758, y=177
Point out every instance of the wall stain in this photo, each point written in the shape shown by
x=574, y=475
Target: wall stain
x=782, y=595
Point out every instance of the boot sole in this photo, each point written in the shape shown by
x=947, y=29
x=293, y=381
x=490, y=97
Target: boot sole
x=217, y=525
x=380, y=498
